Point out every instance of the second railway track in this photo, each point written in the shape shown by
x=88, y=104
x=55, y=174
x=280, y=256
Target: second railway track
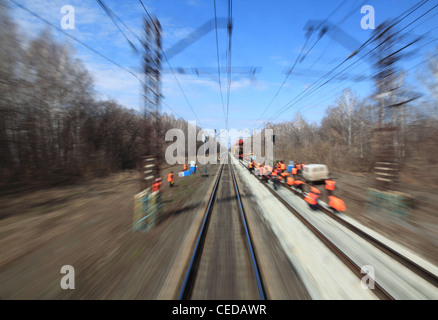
x=380, y=291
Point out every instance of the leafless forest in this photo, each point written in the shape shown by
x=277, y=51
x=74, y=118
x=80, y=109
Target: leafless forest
x=346, y=139
x=350, y=137
x=53, y=129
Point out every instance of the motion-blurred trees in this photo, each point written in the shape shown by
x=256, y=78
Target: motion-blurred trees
x=52, y=128
x=345, y=139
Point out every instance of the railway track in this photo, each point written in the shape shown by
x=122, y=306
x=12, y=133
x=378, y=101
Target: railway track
x=379, y=290
x=411, y=265
x=223, y=264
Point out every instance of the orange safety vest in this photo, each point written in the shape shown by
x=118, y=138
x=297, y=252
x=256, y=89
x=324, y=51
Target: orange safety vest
x=313, y=196
x=170, y=177
x=294, y=170
x=314, y=190
x=250, y=165
x=156, y=186
x=185, y=167
x=258, y=165
x=283, y=166
x=336, y=203
x=298, y=167
x=274, y=173
x=310, y=200
x=290, y=181
x=298, y=182
x=330, y=185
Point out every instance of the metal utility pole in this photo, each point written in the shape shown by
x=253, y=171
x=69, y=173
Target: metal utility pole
x=152, y=58
x=387, y=80
x=386, y=168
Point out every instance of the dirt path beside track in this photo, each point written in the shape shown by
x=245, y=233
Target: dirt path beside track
x=89, y=226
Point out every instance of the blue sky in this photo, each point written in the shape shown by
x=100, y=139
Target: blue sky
x=268, y=35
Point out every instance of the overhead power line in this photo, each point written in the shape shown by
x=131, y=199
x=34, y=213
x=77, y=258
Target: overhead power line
x=88, y=47
x=75, y=39
x=217, y=57
x=300, y=58
x=112, y=15
x=229, y=35
x=297, y=98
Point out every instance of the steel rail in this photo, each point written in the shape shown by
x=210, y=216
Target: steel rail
x=411, y=265
x=379, y=291
x=194, y=261
x=248, y=238
x=188, y=283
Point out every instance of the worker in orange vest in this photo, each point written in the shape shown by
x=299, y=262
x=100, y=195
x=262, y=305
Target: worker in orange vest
x=185, y=167
x=282, y=176
x=290, y=181
x=251, y=166
x=156, y=186
x=299, y=185
x=336, y=204
x=282, y=167
x=170, y=178
x=298, y=168
x=294, y=172
x=330, y=187
x=315, y=190
x=312, y=199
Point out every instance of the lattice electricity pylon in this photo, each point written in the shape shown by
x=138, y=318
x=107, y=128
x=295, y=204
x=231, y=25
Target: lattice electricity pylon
x=152, y=58
x=388, y=86
x=335, y=33
x=195, y=36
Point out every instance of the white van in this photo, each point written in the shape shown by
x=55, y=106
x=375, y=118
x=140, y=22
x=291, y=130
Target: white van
x=315, y=172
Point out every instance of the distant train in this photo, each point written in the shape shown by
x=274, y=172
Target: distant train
x=238, y=149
